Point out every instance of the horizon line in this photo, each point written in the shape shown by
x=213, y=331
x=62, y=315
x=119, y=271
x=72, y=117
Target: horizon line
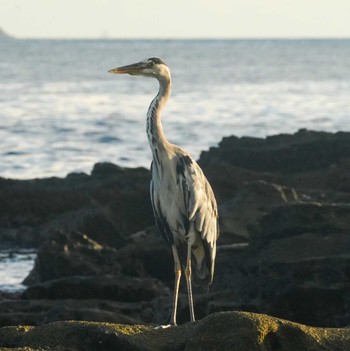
x=182, y=38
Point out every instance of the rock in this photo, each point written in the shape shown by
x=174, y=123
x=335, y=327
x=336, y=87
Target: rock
x=220, y=331
x=304, y=160
x=146, y=254
x=284, y=212
x=297, y=266
x=103, y=205
x=293, y=219
x=297, y=258
x=64, y=255
x=339, y=177
x=75, y=254
x=107, y=287
x=251, y=202
x=295, y=153
x=37, y=312
x=73, y=266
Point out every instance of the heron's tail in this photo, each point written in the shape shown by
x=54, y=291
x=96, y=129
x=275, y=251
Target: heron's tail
x=204, y=262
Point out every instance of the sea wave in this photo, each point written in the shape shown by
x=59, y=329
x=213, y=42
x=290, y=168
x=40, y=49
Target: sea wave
x=64, y=113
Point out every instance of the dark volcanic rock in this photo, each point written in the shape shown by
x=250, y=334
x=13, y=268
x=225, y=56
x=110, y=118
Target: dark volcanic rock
x=147, y=255
x=105, y=287
x=294, y=219
x=284, y=249
x=37, y=312
x=298, y=266
x=75, y=254
x=221, y=332
x=103, y=205
x=300, y=152
x=76, y=267
x=304, y=160
x=253, y=200
x=64, y=255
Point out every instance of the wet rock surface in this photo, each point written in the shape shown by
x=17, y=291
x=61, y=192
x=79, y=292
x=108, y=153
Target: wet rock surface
x=284, y=248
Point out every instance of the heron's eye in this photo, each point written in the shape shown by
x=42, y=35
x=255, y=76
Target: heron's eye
x=150, y=64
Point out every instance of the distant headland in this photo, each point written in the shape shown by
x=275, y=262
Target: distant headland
x=3, y=34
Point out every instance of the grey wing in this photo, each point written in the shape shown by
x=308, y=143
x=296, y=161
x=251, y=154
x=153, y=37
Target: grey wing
x=200, y=203
x=162, y=224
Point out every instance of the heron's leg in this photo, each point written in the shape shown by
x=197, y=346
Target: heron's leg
x=188, y=274
x=177, y=269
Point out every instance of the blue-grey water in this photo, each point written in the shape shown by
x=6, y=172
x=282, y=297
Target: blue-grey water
x=60, y=111
x=15, y=265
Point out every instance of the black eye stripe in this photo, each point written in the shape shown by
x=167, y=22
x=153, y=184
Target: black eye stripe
x=156, y=60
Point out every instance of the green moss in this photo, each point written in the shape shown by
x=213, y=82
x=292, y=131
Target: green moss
x=234, y=331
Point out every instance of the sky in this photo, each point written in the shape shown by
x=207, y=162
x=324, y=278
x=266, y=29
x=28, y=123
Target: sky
x=176, y=18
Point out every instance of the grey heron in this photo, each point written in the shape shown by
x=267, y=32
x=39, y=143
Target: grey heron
x=183, y=201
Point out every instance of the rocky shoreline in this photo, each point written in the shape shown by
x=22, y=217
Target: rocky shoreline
x=284, y=250
x=219, y=331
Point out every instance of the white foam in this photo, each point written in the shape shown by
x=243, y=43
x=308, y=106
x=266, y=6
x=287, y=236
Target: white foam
x=52, y=127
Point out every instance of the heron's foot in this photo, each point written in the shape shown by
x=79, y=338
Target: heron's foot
x=165, y=326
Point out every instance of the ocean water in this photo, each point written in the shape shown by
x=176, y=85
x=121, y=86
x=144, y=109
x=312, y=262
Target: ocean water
x=15, y=265
x=61, y=112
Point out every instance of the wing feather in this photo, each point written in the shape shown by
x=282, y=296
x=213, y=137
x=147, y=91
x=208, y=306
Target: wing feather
x=200, y=205
x=161, y=222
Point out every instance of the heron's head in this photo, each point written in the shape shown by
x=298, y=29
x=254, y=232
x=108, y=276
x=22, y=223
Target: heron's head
x=152, y=67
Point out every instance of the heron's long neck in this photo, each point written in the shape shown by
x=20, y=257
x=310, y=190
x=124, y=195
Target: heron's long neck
x=156, y=137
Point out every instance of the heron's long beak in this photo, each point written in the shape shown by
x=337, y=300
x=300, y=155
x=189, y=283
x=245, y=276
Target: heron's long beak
x=131, y=69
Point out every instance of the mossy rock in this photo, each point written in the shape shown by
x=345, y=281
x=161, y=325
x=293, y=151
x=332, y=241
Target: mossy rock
x=235, y=331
